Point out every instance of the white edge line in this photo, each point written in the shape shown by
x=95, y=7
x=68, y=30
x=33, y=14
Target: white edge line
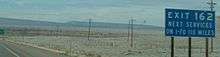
x=11, y=51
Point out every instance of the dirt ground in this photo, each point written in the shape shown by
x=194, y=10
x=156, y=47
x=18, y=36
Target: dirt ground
x=146, y=44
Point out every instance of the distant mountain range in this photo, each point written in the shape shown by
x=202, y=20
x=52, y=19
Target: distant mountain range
x=20, y=22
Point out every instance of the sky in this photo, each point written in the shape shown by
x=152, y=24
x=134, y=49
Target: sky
x=150, y=12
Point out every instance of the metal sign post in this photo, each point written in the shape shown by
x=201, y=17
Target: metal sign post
x=212, y=46
x=190, y=49
x=207, y=47
x=172, y=46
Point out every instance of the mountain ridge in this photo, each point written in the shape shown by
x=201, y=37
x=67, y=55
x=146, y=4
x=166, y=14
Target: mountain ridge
x=20, y=22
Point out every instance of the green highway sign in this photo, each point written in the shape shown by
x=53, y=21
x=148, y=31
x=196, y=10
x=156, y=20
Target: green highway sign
x=2, y=31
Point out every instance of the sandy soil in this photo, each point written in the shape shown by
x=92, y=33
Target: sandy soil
x=147, y=43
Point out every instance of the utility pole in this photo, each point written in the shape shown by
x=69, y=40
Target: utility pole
x=90, y=25
x=211, y=3
x=57, y=31
x=129, y=28
x=23, y=33
x=132, y=32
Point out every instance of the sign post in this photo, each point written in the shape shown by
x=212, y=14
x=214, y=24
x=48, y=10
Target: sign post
x=206, y=47
x=172, y=46
x=189, y=53
x=189, y=23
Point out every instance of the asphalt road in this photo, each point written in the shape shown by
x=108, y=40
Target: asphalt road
x=16, y=50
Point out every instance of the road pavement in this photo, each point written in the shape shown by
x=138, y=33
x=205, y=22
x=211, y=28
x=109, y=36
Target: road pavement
x=17, y=50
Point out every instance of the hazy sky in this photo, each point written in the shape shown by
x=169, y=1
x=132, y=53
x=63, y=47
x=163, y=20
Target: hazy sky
x=100, y=10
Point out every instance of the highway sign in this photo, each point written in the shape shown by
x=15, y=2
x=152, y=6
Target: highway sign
x=189, y=23
x=2, y=31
